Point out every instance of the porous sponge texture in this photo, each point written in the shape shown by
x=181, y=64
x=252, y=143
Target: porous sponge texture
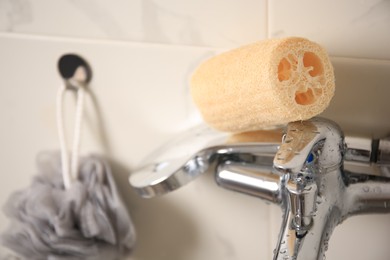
x=264, y=84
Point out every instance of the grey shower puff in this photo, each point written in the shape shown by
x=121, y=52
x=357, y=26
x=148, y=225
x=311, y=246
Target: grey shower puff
x=88, y=221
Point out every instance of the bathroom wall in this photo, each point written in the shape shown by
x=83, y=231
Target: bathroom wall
x=142, y=53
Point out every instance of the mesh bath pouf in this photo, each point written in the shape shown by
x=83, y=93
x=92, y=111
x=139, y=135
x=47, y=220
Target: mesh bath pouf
x=72, y=209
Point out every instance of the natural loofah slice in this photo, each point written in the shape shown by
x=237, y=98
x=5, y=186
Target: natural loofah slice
x=264, y=84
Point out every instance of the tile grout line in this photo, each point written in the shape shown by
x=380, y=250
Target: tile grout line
x=269, y=247
x=53, y=38
x=375, y=60
x=271, y=236
x=270, y=213
x=267, y=18
x=22, y=36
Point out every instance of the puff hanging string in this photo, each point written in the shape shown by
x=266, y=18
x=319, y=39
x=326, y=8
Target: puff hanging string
x=70, y=173
x=72, y=209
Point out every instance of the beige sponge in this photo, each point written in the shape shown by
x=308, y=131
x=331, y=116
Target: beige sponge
x=264, y=84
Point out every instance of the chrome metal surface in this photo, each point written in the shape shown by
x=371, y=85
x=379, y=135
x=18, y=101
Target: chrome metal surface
x=314, y=175
x=256, y=180
x=313, y=187
x=360, y=150
x=190, y=155
x=302, y=137
x=383, y=153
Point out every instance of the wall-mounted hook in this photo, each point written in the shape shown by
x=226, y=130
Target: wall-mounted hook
x=76, y=74
x=74, y=70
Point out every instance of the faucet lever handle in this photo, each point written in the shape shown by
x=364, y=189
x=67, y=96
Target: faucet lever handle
x=301, y=137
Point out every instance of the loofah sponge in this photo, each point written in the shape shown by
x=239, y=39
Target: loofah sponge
x=264, y=84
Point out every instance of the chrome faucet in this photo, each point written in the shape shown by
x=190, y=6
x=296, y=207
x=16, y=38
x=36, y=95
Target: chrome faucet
x=316, y=177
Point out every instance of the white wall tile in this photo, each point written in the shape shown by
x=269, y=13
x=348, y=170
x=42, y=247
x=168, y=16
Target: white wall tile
x=202, y=221
x=217, y=23
x=360, y=238
x=361, y=103
x=142, y=95
x=346, y=28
